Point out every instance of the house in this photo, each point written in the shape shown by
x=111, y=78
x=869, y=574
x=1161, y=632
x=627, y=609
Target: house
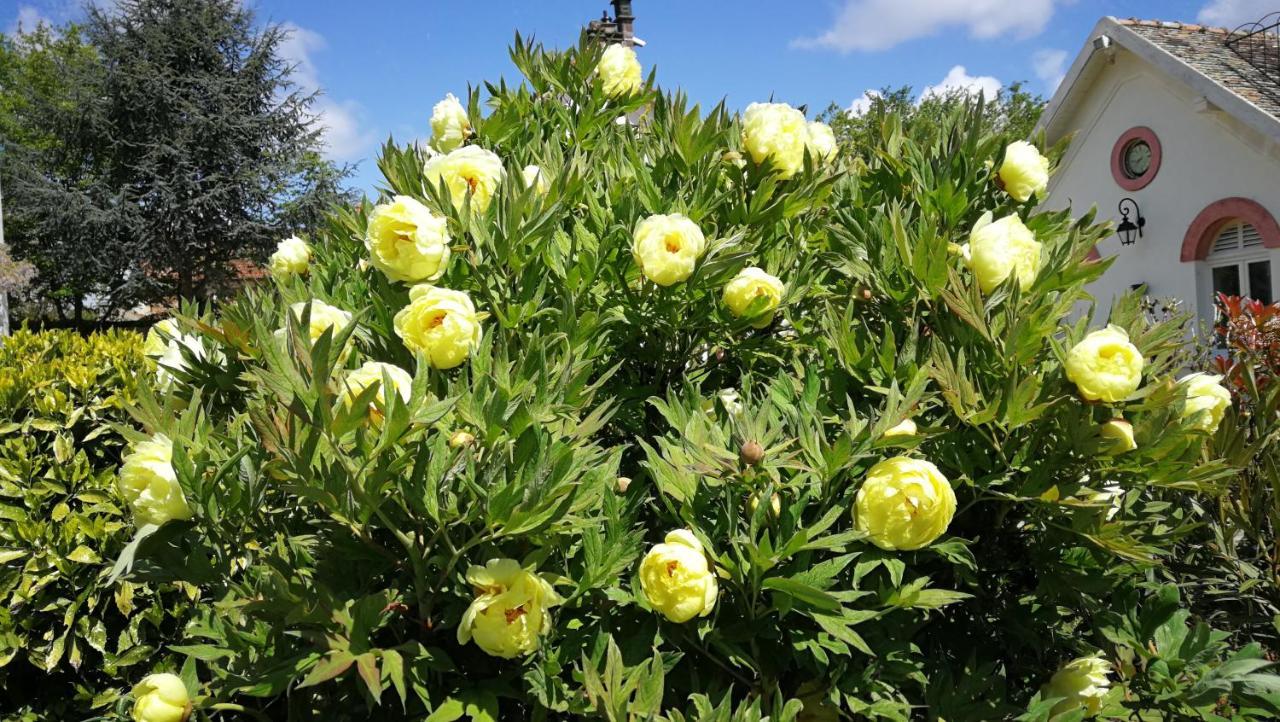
x=1184, y=121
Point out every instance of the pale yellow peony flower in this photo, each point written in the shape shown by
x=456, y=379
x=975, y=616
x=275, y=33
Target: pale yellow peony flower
x=371, y=372
x=1205, y=400
x=1105, y=365
x=904, y=503
x=750, y=284
x=148, y=483
x=440, y=324
x=159, y=336
x=1083, y=682
x=676, y=578
x=1000, y=249
x=666, y=247
x=450, y=125
x=1120, y=433
x=174, y=358
x=291, y=258
x=511, y=609
x=160, y=698
x=323, y=318
x=821, y=141
x=406, y=241
x=777, y=132
x=906, y=428
x=1024, y=172
x=535, y=178
x=468, y=171
x=619, y=71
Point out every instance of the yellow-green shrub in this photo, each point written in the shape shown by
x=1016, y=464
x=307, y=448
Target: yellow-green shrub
x=68, y=641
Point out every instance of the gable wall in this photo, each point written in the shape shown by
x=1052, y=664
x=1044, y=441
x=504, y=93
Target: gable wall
x=1207, y=156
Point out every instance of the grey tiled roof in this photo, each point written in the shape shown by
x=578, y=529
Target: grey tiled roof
x=1205, y=49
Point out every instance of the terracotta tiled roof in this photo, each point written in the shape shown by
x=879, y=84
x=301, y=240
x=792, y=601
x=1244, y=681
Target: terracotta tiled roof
x=1204, y=49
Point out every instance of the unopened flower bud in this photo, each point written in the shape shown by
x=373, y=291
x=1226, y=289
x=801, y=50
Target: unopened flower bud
x=461, y=439
x=775, y=503
x=751, y=453
x=624, y=483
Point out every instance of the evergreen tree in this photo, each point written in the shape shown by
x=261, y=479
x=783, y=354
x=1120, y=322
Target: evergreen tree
x=150, y=150
x=207, y=131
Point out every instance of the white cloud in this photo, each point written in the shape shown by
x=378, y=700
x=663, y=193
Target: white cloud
x=1050, y=66
x=881, y=24
x=1233, y=13
x=344, y=135
x=863, y=103
x=29, y=18
x=959, y=79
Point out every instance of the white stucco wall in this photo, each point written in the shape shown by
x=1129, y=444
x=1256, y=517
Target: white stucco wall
x=1207, y=156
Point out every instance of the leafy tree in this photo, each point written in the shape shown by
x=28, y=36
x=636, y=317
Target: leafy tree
x=1012, y=113
x=152, y=148
x=63, y=216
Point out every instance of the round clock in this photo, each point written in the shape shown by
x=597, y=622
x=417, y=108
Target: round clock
x=1137, y=159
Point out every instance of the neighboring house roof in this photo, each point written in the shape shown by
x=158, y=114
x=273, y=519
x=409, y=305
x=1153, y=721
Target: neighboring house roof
x=1194, y=54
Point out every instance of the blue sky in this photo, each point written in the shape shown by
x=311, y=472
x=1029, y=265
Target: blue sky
x=382, y=64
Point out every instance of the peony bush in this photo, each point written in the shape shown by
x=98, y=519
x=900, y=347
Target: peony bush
x=697, y=419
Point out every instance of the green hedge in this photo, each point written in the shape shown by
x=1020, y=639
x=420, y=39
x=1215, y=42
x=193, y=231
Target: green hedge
x=68, y=642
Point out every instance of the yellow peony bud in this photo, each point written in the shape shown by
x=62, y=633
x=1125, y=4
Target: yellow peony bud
x=291, y=258
x=751, y=453
x=535, y=178
x=821, y=142
x=1000, y=249
x=1120, y=433
x=149, y=485
x=1083, y=682
x=355, y=382
x=440, y=324
x=904, y=503
x=623, y=483
x=752, y=283
x=468, y=171
x=1105, y=366
x=619, y=71
x=676, y=578
x=1205, y=401
x=775, y=504
x=159, y=336
x=511, y=609
x=906, y=428
x=450, y=125
x=406, y=241
x=776, y=132
x=161, y=698
x=666, y=247
x=461, y=439
x=1024, y=172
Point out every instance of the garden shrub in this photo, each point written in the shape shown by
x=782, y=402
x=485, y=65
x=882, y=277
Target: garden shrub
x=68, y=641
x=683, y=416
x=1233, y=566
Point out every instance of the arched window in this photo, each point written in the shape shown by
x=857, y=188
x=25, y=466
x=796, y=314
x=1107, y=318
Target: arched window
x=1239, y=264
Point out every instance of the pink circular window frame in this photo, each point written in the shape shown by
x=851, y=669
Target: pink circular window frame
x=1209, y=222
x=1142, y=133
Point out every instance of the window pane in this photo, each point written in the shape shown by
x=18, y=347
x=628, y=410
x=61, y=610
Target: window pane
x=1226, y=279
x=1260, y=281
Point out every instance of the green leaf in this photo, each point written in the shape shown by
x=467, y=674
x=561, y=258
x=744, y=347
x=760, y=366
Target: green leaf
x=330, y=666
x=803, y=593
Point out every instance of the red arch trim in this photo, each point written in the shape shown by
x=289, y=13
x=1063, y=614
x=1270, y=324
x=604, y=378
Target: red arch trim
x=1204, y=229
